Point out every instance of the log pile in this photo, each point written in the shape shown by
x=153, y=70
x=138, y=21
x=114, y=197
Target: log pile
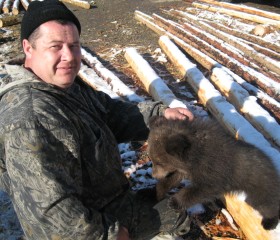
x=242, y=87
x=10, y=8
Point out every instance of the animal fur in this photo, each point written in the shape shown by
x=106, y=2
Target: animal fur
x=215, y=163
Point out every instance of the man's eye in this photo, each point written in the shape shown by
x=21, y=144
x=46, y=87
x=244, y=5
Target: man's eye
x=55, y=47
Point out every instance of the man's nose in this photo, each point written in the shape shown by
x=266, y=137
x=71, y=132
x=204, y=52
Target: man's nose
x=67, y=53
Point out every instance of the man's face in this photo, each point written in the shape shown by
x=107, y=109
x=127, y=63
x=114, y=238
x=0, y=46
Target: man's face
x=56, y=55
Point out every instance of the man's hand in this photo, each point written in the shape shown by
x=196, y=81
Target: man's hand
x=178, y=113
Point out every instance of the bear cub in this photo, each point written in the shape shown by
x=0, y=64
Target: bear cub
x=214, y=162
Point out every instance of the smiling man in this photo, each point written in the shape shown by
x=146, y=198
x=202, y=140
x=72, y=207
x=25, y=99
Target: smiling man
x=59, y=142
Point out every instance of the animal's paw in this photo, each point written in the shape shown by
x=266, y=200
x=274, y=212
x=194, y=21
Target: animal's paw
x=270, y=223
x=174, y=203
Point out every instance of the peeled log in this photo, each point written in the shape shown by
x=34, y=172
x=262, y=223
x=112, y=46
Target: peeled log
x=247, y=218
x=15, y=7
x=152, y=82
x=242, y=15
x=24, y=3
x=244, y=9
x=7, y=6
x=116, y=84
x=89, y=76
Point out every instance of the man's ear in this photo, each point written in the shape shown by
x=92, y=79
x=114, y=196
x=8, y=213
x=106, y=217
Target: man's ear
x=177, y=145
x=27, y=48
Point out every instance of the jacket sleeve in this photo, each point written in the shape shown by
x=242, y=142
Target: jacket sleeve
x=46, y=185
x=128, y=121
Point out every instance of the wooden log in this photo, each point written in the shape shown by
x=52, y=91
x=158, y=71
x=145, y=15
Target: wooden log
x=269, y=86
x=207, y=62
x=79, y=3
x=112, y=80
x=7, y=6
x=241, y=15
x=249, y=51
x=148, y=21
x=24, y=3
x=247, y=218
x=245, y=9
x=247, y=105
x=9, y=20
x=153, y=84
x=238, y=96
x=248, y=37
x=89, y=76
x=265, y=100
x=15, y=7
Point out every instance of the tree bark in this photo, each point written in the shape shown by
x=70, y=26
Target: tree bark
x=234, y=13
x=244, y=9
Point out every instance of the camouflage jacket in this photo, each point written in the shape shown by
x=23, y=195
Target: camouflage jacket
x=60, y=155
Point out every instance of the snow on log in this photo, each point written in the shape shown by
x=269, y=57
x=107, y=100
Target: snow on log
x=79, y=3
x=244, y=9
x=154, y=85
x=15, y=7
x=24, y=3
x=268, y=85
x=89, y=76
x=248, y=219
x=238, y=14
x=249, y=51
x=247, y=105
x=112, y=80
x=9, y=20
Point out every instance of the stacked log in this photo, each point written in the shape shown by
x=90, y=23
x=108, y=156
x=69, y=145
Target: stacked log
x=243, y=82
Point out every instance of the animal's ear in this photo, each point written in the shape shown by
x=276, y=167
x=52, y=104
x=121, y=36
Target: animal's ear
x=177, y=145
x=156, y=121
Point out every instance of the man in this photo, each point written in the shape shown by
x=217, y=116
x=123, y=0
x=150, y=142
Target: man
x=58, y=139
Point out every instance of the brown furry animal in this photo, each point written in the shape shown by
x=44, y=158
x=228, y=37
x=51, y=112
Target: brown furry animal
x=215, y=163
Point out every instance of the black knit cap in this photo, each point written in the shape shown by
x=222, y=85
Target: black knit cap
x=39, y=12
